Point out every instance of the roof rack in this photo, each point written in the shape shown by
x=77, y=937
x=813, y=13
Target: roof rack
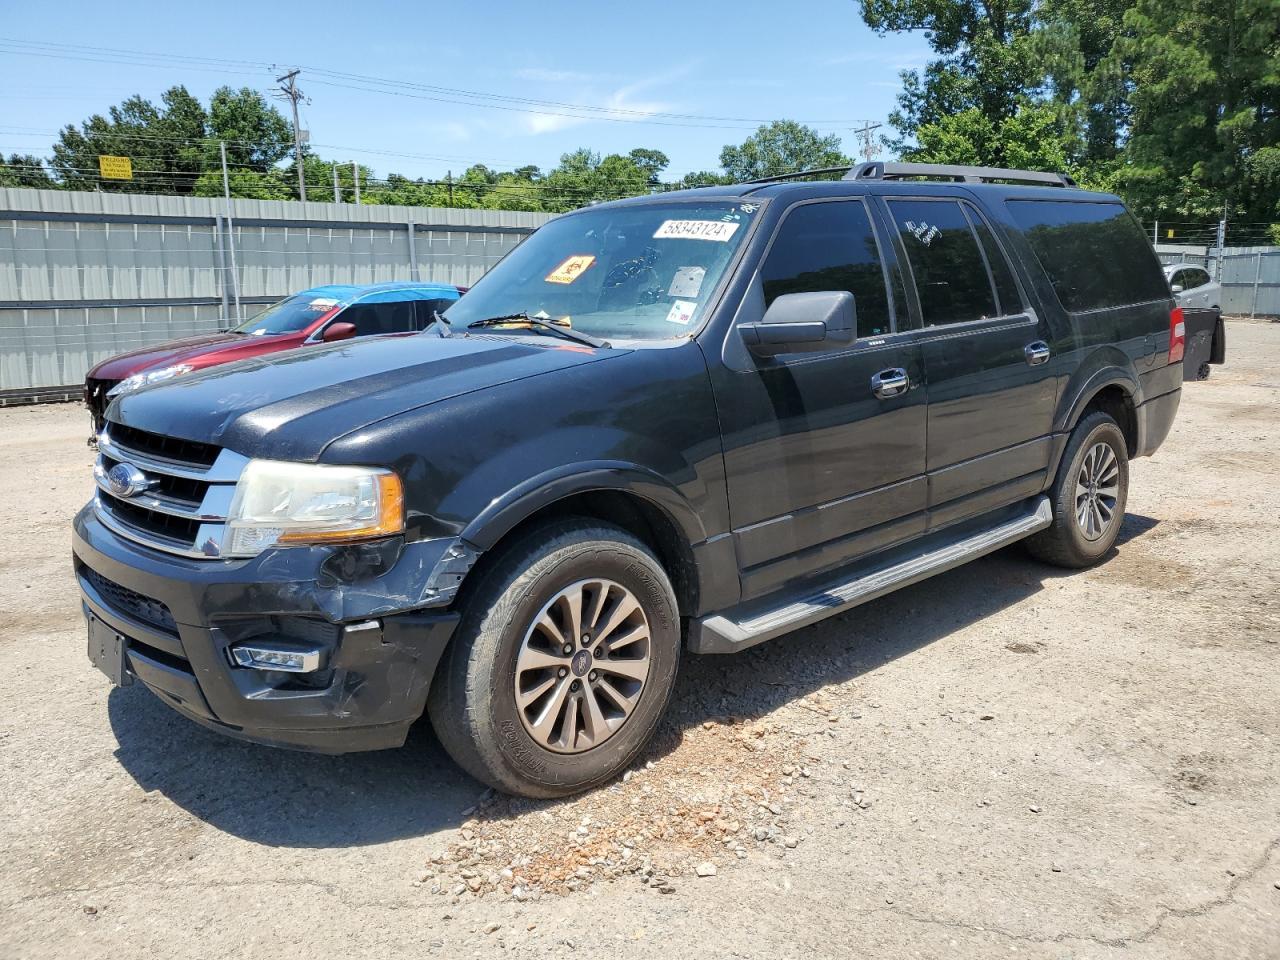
x=800, y=175
x=879, y=170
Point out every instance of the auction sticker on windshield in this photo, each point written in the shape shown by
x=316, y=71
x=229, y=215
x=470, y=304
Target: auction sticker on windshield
x=717, y=230
x=571, y=269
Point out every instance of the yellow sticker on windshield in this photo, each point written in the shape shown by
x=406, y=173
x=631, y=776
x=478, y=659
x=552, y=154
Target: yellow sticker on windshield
x=571, y=269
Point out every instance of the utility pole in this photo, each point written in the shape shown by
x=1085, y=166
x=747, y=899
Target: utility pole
x=1222, y=240
x=449, y=180
x=868, y=143
x=337, y=193
x=355, y=178
x=231, y=230
x=289, y=91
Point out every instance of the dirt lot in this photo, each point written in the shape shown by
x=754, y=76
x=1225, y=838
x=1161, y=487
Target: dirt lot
x=1005, y=760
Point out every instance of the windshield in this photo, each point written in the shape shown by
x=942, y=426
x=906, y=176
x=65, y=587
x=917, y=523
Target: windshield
x=641, y=272
x=288, y=316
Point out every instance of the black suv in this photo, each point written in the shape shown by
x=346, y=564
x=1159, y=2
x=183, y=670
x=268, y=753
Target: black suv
x=700, y=419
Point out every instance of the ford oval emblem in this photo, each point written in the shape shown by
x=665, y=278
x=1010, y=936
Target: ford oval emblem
x=126, y=480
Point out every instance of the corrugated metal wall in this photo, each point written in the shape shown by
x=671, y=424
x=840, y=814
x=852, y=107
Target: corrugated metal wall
x=1250, y=275
x=84, y=276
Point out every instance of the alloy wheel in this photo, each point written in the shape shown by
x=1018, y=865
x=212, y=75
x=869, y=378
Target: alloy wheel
x=582, y=666
x=1097, y=489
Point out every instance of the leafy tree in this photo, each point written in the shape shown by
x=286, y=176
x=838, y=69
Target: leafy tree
x=256, y=134
x=783, y=146
x=985, y=58
x=1033, y=138
x=247, y=184
x=1204, y=108
x=652, y=162
x=165, y=144
x=25, y=170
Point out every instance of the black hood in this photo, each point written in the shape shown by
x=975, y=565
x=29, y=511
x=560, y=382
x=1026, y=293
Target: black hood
x=289, y=406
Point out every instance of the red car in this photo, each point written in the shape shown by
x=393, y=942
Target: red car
x=318, y=315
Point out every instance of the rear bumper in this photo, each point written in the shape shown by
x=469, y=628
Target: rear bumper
x=1155, y=420
x=181, y=617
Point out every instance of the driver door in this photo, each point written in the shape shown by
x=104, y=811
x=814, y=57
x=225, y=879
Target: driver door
x=821, y=467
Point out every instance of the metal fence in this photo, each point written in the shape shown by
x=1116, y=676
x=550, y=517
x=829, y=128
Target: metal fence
x=84, y=276
x=1250, y=276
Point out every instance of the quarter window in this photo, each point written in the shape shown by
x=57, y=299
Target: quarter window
x=949, y=269
x=1001, y=272
x=1094, y=253
x=830, y=246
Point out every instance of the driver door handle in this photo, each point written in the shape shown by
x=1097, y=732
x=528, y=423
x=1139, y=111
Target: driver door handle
x=1037, y=353
x=890, y=383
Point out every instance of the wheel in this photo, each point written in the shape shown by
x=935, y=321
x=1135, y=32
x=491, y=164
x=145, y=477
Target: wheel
x=1088, y=496
x=1203, y=372
x=563, y=663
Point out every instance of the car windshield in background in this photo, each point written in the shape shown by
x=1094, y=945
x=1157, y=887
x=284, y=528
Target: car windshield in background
x=288, y=316
x=637, y=272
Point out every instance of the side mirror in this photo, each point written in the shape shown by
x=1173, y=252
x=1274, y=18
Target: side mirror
x=803, y=323
x=339, y=330
x=1176, y=288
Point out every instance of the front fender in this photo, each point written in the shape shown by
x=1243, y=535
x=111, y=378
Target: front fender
x=504, y=513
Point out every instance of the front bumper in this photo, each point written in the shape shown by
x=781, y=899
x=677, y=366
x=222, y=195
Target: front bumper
x=366, y=607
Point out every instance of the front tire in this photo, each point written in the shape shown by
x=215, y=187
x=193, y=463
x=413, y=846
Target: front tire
x=563, y=662
x=1088, y=497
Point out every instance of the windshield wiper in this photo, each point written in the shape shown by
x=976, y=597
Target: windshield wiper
x=442, y=326
x=542, y=324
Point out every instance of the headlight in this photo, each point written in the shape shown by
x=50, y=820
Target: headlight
x=278, y=502
x=149, y=376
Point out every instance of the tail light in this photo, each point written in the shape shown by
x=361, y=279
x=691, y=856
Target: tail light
x=1177, y=335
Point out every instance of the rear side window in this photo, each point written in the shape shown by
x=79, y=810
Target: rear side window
x=1094, y=254
x=949, y=268
x=372, y=318
x=830, y=246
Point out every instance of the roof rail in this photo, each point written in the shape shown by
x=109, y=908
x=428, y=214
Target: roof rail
x=880, y=170
x=800, y=174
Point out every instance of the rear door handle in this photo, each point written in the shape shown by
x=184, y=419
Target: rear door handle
x=890, y=383
x=1037, y=353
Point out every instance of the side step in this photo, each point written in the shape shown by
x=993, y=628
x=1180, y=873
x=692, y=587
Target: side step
x=721, y=633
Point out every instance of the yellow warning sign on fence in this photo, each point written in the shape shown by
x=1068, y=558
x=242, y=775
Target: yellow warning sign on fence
x=115, y=168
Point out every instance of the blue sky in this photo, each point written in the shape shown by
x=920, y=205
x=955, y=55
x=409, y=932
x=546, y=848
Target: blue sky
x=741, y=62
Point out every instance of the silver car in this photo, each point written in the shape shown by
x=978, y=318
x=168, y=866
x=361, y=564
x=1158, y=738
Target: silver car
x=1193, y=287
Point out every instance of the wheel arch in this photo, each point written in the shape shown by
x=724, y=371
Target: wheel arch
x=1113, y=390
x=630, y=497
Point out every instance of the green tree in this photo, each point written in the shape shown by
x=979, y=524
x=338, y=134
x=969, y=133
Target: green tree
x=166, y=145
x=25, y=170
x=1033, y=138
x=1204, y=108
x=256, y=134
x=783, y=146
x=985, y=58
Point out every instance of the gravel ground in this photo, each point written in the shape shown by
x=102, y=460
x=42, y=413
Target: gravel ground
x=1004, y=760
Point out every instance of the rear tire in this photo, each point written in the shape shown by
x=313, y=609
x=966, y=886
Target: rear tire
x=1089, y=496
x=541, y=693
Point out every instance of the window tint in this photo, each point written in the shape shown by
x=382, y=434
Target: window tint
x=1001, y=272
x=371, y=318
x=1195, y=278
x=1178, y=279
x=1094, y=254
x=830, y=246
x=951, y=276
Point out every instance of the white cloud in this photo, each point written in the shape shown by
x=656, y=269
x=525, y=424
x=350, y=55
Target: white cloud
x=623, y=98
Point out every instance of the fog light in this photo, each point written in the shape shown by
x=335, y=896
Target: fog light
x=273, y=656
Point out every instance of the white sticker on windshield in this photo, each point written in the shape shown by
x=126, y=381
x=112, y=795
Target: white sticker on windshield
x=716, y=230
x=681, y=312
x=687, y=282
x=322, y=303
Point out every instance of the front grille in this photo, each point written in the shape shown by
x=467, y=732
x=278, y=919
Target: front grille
x=164, y=448
x=130, y=602
x=183, y=505
x=181, y=530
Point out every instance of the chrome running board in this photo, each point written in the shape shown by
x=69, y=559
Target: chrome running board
x=723, y=633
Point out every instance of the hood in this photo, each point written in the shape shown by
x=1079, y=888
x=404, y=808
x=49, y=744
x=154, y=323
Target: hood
x=291, y=405
x=198, y=351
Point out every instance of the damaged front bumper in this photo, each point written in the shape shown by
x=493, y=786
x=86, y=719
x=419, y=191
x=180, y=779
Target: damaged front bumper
x=373, y=620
